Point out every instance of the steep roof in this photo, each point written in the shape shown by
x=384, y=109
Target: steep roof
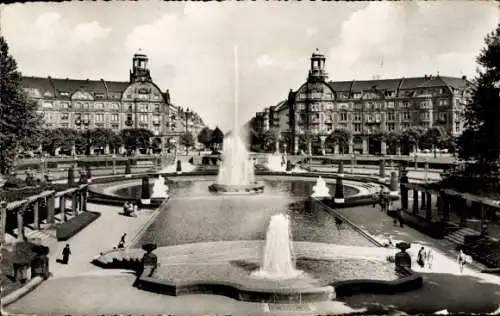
x=399, y=83
x=71, y=85
x=42, y=84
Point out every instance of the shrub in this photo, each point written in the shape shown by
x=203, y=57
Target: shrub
x=70, y=228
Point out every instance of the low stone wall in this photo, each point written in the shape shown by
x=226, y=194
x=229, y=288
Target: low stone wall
x=407, y=283
x=236, y=291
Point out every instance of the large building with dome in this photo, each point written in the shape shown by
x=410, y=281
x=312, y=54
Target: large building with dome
x=115, y=105
x=366, y=109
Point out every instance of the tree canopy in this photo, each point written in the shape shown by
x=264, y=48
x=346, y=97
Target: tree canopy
x=481, y=138
x=187, y=140
x=205, y=137
x=19, y=121
x=217, y=136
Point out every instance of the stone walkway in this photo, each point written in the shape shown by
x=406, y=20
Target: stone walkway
x=80, y=288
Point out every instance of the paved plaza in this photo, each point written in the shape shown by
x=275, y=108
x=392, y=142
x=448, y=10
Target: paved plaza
x=111, y=291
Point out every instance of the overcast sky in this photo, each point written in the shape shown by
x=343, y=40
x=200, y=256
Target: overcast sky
x=190, y=44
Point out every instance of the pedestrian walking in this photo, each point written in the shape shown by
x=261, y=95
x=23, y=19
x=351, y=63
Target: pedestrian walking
x=65, y=253
x=399, y=215
x=121, y=244
x=430, y=257
x=421, y=257
x=462, y=260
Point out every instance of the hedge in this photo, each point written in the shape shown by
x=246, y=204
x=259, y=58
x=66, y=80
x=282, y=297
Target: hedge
x=70, y=228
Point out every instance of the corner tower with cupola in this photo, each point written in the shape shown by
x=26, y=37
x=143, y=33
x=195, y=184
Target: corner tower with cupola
x=140, y=70
x=311, y=108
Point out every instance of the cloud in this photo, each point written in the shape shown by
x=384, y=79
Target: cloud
x=87, y=32
x=311, y=31
x=264, y=61
x=412, y=39
x=190, y=45
x=50, y=30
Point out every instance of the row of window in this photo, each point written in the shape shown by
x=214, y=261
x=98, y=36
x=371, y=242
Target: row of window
x=372, y=105
x=101, y=117
x=112, y=126
x=390, y=94
x=370, y=117
x=131, y=107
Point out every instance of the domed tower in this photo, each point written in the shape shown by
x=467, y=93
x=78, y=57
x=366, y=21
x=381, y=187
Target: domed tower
x=140, y=70
x=317, y=71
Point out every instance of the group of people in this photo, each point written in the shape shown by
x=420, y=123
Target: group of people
x=383, y=198
x=425, y=258
x=130, y=208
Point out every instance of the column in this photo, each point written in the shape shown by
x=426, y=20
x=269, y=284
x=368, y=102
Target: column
x=84, y=200
x=428, y=212
x=309, y=146
x=36, y=214
x=62, y=208
x=383, y=147
x=426, y=172
x=404, y=196
x=398, y=150
x=106, y=149
x=3, y=220
x=81, y=200
x=322, y=139
x=336, y=149
x=51, y=209
x=295, y=145
x=422, y=200
x=483, y=219
x=114, y=163
x=365, y=146
x=20, y=223
x=415, y=201
x=463, y=211
x=42, y=169
x=445, y=205
x=74, y=203
x=351, y=145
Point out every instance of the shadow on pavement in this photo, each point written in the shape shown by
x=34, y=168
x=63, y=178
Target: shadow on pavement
x=456, y=293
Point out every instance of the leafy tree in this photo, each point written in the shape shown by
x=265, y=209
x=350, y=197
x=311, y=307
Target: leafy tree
x=412, y=136
x=217, y=138
x=19, y=121
x=101, y=137
x=205, y=137
x=269, y=139
x=393, y=140
x=338, y=137
x=481, y=138
x=115, y=143
x=187, y=140
x=135, y=138
x=434, y=137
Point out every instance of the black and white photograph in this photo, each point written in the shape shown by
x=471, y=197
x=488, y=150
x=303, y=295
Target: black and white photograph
x=249, y=157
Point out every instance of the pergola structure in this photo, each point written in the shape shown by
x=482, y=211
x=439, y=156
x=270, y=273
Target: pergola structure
x=29, y=208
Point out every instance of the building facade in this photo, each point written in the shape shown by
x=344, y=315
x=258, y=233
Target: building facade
x=367, y=108
x=115, y=105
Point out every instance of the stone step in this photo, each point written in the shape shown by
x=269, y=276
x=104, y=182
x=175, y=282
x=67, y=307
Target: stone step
x=455, y=240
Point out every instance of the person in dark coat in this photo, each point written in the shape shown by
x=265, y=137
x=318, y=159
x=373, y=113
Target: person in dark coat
x=65, y=253
x=121, y=244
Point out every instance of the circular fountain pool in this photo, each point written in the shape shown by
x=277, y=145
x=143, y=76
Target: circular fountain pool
x=211, y=243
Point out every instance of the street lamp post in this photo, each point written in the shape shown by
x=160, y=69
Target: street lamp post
x=187, y=116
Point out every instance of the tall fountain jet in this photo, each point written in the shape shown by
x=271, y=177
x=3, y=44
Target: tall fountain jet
x=278, y=261
x=236, y=173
